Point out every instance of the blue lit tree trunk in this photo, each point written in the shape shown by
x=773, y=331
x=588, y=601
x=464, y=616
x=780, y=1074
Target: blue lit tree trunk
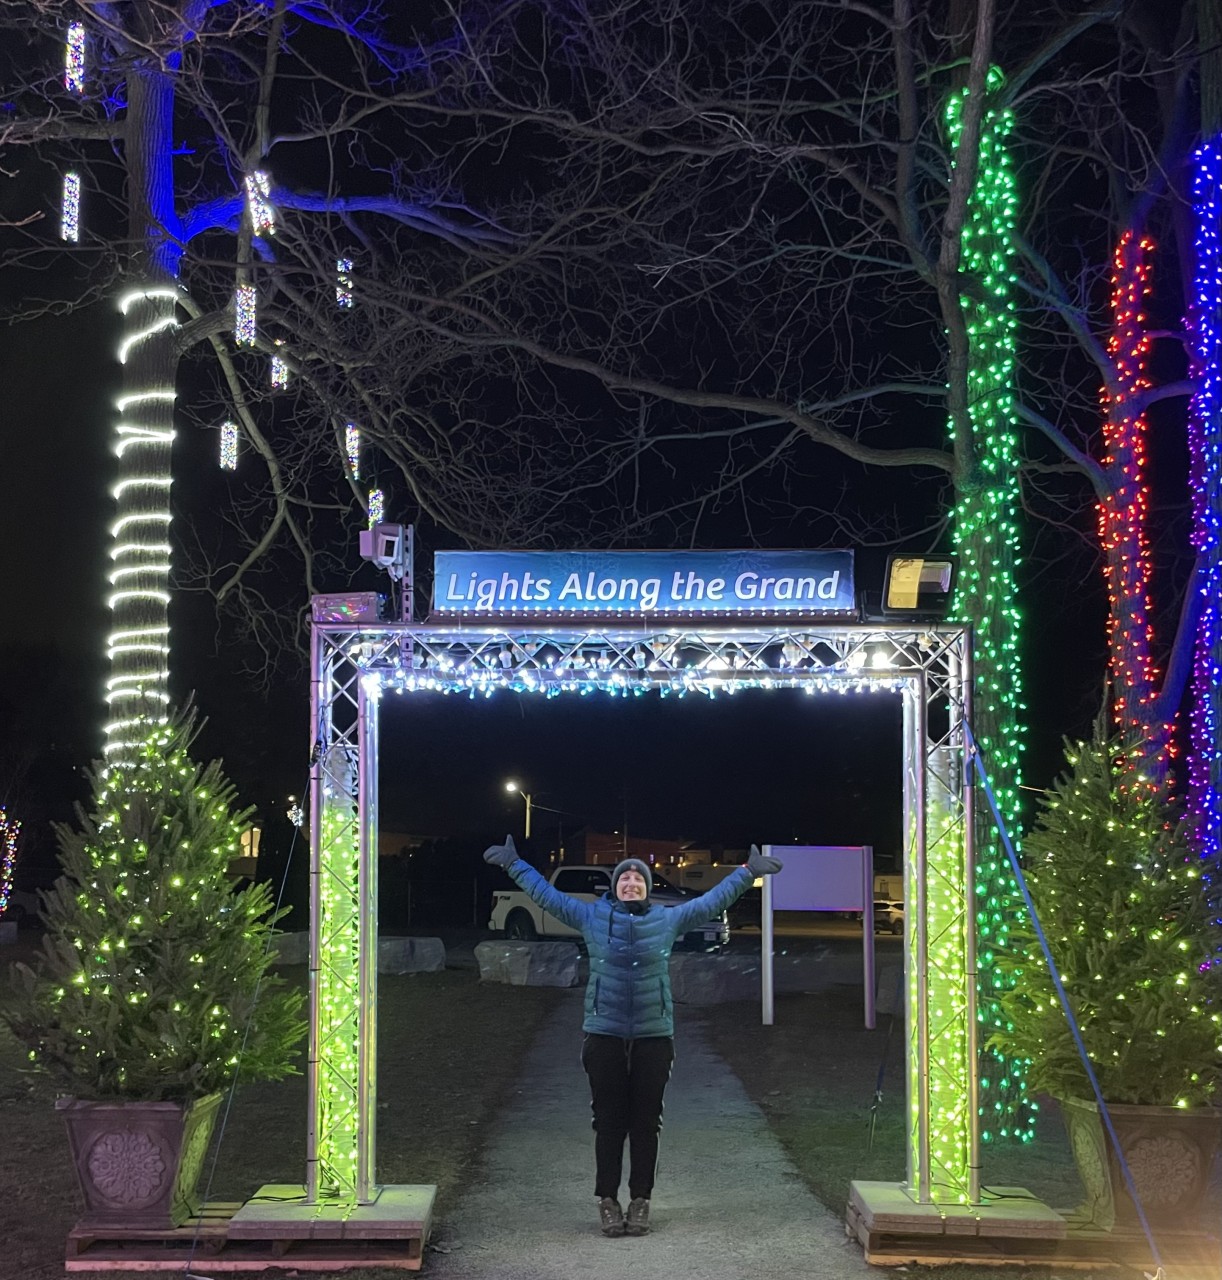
x=1205, y=442
x=986, y=536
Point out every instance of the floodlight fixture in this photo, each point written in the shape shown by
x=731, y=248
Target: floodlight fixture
x=919, y=586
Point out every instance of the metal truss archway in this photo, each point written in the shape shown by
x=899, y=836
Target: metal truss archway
x=354, y=664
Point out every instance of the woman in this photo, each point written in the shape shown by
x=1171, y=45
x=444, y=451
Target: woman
x=629, y=1020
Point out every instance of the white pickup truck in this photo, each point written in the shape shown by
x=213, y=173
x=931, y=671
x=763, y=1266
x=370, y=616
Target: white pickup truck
x=515, y=915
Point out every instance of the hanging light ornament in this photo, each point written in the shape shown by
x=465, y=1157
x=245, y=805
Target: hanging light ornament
x=343, y=284
x=259, y=203
x=74, y=58
x=244, y=324
x=229, y=446
x=70, y=225
x=352, y=446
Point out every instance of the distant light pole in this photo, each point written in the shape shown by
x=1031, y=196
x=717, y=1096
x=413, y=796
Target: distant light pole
x=513, y=786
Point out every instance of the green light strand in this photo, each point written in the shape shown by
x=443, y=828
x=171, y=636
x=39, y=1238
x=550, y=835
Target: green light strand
x=986, y=536
x=338, y=995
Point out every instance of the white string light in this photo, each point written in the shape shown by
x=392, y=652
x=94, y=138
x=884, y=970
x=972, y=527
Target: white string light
x=70, y=223
x=138, y=646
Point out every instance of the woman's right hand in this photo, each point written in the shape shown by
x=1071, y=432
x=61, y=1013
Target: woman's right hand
x=502, y=855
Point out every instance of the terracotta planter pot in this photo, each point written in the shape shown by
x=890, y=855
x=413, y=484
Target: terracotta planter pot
x=1169, y=1153
x=139, y=1163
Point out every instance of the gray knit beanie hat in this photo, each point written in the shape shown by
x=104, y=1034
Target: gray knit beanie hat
x=632, y=864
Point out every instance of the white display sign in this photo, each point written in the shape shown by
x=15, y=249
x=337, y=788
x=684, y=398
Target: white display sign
x=819, y=878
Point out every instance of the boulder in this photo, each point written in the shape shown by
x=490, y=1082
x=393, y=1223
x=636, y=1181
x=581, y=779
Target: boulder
x=528, y=964
x=411, y=955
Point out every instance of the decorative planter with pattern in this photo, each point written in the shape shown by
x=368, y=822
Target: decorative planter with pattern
x=139, y=1163
x=1169, y=1152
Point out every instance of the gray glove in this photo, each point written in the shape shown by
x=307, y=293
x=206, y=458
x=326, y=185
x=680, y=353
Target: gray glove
x=757, y=863
x=502, y=855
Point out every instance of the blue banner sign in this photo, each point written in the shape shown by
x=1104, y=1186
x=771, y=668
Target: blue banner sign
x=644, y=583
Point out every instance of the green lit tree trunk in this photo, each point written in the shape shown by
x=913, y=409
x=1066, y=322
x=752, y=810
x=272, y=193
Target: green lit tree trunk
x=983, y=415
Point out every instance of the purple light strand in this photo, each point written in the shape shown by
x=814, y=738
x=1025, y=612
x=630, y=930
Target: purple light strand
x=1205, y=448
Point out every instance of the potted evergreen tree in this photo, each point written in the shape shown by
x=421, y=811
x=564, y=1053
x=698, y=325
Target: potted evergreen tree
x=1119, y=895
x=152, y=990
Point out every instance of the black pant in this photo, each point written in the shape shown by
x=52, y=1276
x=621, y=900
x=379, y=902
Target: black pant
x=627, y=1081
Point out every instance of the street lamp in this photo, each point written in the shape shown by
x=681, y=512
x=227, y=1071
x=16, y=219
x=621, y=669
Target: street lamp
x=513, y=786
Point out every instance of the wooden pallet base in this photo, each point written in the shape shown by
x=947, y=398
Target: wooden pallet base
x=1017, y=1230
x=275, y=1228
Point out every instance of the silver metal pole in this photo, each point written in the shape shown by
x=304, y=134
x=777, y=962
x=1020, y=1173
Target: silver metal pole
x=367, y=944
x=320, y=720
x=969, y=908
x=911, y=1089
x=766, y=948
x=867, y=926
x=920, y=875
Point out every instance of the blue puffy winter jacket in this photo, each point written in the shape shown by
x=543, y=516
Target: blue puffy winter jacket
x=629, y=944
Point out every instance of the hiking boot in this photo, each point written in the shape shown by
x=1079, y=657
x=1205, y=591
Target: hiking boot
x=638, y=1217
x=610, y=1216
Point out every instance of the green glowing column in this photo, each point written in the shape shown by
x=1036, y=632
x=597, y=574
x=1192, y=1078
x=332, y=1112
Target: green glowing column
x=943, y=1163
x=986, y=534
x=343, y=942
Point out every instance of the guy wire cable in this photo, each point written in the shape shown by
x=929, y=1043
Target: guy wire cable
x=882, y=1066
x=1021, y=880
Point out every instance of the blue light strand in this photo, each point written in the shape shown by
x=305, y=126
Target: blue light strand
x=1205, y=450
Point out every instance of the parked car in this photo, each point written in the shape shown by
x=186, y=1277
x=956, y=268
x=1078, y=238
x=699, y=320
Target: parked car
x=888, y=915
x=518, y=917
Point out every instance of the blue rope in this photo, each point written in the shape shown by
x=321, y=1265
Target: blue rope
x=1063, y=996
